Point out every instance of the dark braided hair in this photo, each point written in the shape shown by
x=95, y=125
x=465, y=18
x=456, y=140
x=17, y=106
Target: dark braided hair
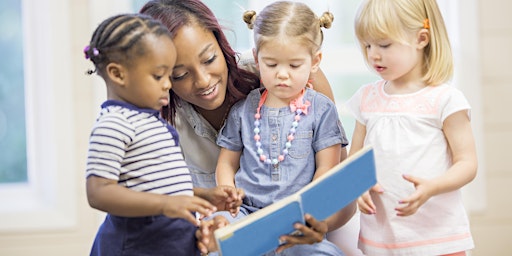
x=178, y=13
x=117, y=39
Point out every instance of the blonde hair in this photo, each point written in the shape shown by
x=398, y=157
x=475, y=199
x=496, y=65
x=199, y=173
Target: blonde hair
x=396, y=19
x=284, y=19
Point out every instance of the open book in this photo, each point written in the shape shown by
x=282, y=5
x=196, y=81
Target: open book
x=259, y=232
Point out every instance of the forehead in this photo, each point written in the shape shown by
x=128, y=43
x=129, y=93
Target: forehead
x=158, y=50
x=283, y=49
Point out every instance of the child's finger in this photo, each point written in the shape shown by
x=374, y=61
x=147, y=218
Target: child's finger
x=377, y=188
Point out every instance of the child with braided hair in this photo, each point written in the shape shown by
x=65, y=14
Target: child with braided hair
x=135, y=168
x=285, y=134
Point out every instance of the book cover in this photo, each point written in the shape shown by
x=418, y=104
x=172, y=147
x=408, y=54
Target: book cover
x=259, y=232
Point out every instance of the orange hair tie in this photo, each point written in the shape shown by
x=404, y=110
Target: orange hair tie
x=426, y=24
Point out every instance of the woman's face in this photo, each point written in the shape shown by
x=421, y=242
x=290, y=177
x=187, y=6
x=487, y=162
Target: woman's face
x=200, y=74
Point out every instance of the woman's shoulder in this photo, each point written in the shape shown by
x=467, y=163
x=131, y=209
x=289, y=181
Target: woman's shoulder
x=246, y=62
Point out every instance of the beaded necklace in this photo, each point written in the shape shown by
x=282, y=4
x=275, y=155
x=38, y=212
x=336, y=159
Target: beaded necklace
x=299, y=107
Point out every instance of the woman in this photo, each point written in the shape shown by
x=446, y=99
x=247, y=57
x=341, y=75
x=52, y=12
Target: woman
x=207, y=81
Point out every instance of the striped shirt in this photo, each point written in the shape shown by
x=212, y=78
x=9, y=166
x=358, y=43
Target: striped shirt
x=139, y=149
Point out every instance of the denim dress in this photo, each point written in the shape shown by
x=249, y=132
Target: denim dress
x=265, y=183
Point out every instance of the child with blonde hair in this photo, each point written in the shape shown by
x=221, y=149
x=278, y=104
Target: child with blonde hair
x=283, y=135
x=419, y=127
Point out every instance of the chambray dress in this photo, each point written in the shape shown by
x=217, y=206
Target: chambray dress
x=264, y=183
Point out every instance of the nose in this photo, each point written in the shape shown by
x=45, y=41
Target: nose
x=167, y=84
x=373, y=53
x=282, y=73
x=202, y=78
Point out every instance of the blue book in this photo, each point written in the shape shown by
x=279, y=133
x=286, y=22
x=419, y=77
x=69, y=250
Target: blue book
x=259, y=232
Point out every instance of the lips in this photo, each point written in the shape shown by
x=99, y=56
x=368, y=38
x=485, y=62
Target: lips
x=208, y=91
x=379, y=68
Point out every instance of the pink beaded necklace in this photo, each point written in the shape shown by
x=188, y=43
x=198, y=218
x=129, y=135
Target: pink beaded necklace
x=299, y=107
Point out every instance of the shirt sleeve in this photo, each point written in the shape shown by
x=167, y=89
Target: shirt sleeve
x=230, y=134
x=454, y=102
x=353, y=105
x=328, y=129
x=107, y=146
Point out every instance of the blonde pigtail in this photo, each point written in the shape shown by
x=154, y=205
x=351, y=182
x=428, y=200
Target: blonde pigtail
x=249, y=18
x=326, y=20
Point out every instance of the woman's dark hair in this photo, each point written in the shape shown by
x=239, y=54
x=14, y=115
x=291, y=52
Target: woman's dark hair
x=117, y=39
x=178, y=13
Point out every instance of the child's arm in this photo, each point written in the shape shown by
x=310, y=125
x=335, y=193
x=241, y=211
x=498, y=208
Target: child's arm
x=227, y=165
x=106, y=195
x=364, y=202
x=457, y=130
x=326, y=158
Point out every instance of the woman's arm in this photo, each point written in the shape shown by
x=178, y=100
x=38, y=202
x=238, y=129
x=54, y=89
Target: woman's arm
x=321, y=84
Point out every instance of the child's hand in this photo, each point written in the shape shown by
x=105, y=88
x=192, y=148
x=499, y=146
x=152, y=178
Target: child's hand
x=182, y=207
x=411, y=204
x=365, y=202
x=226, y=198
x=205, y=236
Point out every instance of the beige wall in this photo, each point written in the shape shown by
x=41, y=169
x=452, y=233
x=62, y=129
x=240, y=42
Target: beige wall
x=492, y=227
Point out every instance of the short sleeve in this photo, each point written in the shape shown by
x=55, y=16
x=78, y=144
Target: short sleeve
x=455, y=101
x=230, y=135
x=353, y=104
x=328, y=129
x=107, y=146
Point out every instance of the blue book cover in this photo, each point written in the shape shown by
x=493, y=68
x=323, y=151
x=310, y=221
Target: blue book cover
x=259, y=232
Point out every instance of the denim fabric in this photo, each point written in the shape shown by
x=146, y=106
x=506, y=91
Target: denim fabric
x=151, y=236
x=263, y=183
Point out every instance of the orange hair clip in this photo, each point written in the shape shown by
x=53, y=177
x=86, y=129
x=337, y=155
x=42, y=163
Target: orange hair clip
x=426, y=24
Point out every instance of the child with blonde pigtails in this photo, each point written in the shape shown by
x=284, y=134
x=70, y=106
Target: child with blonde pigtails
x=285, y=134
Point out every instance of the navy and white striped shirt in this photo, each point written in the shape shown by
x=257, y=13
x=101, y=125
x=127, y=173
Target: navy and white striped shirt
x=139, y=149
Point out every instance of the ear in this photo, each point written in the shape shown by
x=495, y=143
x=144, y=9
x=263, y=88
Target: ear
x=116, y=73
x=423, y=38
x=255, y=56
x=315, y=62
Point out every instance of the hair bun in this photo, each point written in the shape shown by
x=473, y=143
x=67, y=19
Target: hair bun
x=249, y=18
x=326, y=20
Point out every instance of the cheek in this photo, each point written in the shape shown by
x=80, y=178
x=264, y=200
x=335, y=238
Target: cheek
x=181, y=88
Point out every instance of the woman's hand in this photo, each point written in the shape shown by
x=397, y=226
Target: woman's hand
x=315, y=233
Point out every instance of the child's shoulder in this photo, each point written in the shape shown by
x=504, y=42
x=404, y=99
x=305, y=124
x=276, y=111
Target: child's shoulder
x=313, y=95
